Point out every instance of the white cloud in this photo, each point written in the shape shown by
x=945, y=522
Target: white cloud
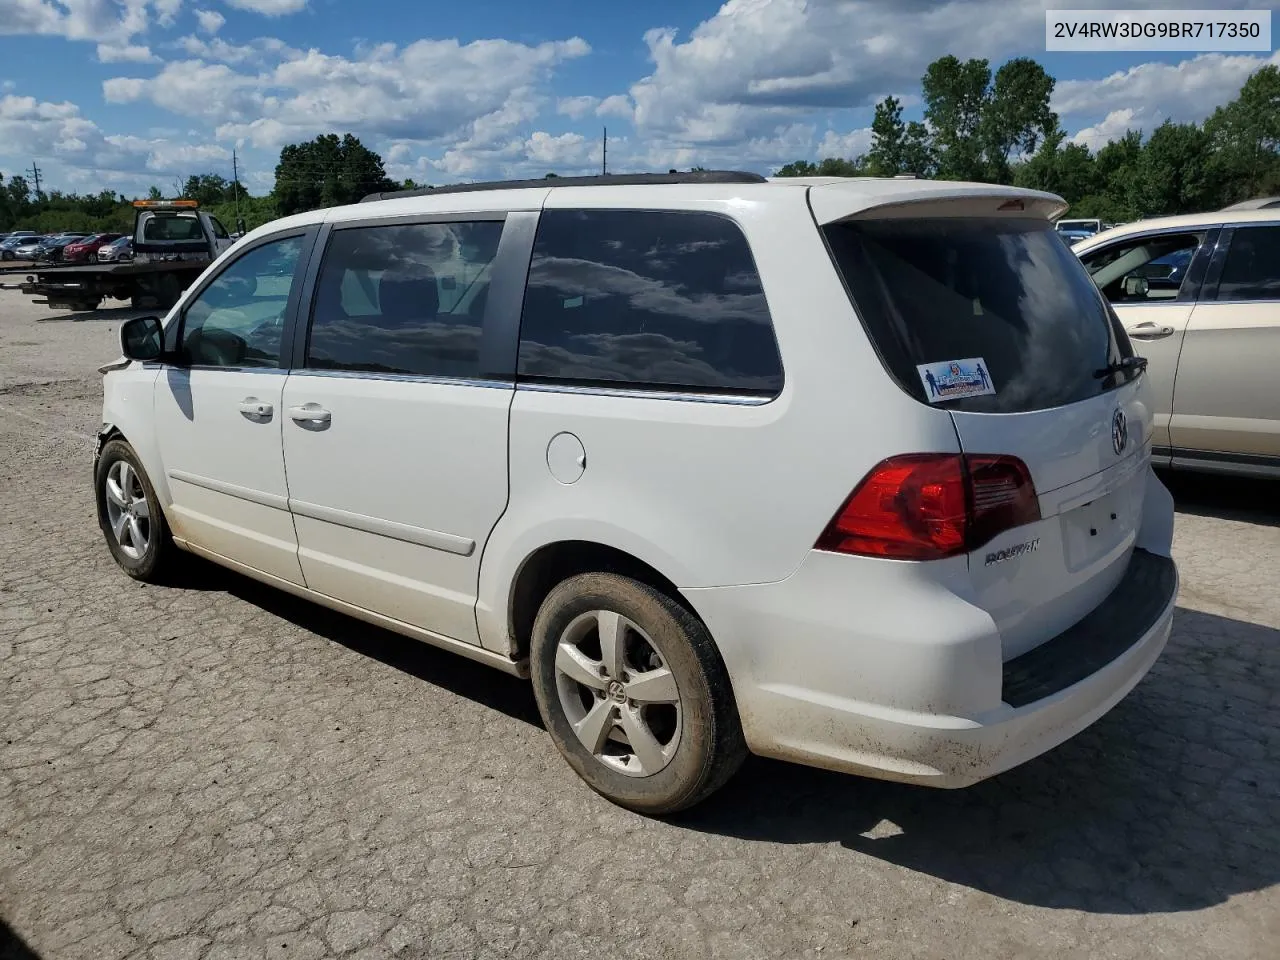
x=757, y=63
x=125, y=53
x=104, y=21
x=259, y=51
x=210, y=21
x=616, y=106
x=1114, y=126
x=572, y=149
x=577, y=107
x=431, y=90
x=166, y=11
x=845, y=146
x=1185, y=91
x=122, y=89
x=74, y=151
x=269, y=8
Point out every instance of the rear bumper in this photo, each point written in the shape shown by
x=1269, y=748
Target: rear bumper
x=907, y=684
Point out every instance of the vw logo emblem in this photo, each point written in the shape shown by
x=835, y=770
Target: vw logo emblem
x=1119, y=432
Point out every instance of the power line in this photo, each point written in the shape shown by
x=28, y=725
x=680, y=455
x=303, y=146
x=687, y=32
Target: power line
x=35, y=173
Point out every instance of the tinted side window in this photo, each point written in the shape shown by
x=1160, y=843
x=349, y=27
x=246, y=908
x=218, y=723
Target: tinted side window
x=406, y=299
x=238, y=319
x=219, y=231
x=1143, y=269
x=1252, y=270
x=645, y=298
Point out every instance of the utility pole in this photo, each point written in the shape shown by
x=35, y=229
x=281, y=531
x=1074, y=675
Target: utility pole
x=35, y=173
x=604, y=156
x=235, y=184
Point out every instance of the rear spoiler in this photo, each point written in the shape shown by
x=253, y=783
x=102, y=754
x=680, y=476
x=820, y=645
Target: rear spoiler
x=871, y=199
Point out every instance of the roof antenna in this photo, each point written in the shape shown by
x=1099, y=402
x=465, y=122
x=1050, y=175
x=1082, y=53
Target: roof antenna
x=604, y=156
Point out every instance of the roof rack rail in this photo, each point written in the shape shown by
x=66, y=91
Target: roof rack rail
x=600, y=180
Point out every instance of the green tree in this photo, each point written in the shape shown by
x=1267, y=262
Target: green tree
x=1067, y=169
x=326, y=172
x=956, y=99
x=898, y=147
x=209, y=188
x=1244, y=137
x=797, y=168
x=1016, y=117
x=1174, y=175
x=1118, y=166
x=19, y=192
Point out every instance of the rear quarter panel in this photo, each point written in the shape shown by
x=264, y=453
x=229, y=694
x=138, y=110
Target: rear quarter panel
x=714, y=493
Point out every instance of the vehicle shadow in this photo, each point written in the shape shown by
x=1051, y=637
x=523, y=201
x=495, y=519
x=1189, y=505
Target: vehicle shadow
x=12, y=946
x=450, y=671
x=1167, y=804
x=101, y=315
x=1227, y=498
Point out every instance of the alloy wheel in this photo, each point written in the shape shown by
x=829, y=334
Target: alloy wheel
x=128, y=513
x=618, y=694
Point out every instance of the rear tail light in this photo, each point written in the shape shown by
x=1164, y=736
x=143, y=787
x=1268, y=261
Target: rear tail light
x=927, y=506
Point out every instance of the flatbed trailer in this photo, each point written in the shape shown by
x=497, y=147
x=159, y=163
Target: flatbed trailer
x=150, y=285
x=173, y=242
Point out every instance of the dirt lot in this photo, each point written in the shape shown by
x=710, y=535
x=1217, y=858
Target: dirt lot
x=219, y=771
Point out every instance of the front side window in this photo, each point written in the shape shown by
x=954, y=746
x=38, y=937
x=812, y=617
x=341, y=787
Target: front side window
x=646, y=299
x=219, y=231
x=1144, y=269
x=404, y=299
x=1252, y=269
x=238, y=319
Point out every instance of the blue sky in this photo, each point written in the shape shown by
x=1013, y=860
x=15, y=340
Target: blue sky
x=129, y=93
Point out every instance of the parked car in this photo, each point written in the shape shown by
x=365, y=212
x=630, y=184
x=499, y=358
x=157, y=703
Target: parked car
x=853, y=473
x=86, y=249
x=1074, y=236
x=1200, y=296
x=117, y=250
x=29, y=248
x=52, y=249
x=1086, y=226
x=9, y=246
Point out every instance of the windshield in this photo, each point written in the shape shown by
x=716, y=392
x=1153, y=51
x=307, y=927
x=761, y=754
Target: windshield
x=1003, y=298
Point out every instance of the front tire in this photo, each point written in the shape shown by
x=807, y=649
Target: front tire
x=634, y=694
x=130, y=516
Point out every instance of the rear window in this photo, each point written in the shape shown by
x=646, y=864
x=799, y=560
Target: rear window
x=172, y=228
x=1006, y=295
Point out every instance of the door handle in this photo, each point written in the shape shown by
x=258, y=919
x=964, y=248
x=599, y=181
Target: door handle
x=310, y=413
x=256, y=409
x=1149, y=331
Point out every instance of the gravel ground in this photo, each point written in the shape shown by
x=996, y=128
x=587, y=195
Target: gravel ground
x=216, y=770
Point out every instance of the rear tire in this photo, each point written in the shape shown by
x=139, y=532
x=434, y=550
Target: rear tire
x=607, y=657
x=130, y=515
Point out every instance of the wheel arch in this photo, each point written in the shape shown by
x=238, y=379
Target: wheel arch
x=553, y=563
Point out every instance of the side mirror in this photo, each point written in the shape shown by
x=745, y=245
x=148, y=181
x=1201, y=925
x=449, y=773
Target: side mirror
x=1136, y=286
x=142, y=338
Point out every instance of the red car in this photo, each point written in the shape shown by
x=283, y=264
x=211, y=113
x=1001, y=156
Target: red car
x=86, y=250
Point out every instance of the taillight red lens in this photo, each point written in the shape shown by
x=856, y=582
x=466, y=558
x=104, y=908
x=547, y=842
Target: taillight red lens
x=927, y=506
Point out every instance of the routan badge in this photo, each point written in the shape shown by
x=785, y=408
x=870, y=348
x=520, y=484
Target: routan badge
x=952, y=379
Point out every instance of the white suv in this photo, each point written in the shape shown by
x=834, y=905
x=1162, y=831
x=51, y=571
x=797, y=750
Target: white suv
x=854, y=473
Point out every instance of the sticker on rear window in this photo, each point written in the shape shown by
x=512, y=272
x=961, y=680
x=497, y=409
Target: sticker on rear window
x=953, y=379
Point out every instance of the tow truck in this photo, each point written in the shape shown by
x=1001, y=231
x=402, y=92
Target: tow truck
x=173, y=241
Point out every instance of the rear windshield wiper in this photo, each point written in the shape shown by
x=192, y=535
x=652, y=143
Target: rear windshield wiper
x=1136, y=364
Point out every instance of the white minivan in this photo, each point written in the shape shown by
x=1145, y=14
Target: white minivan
x=848, y=472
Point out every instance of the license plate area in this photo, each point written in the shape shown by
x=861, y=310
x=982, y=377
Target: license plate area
x=1095, y=529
